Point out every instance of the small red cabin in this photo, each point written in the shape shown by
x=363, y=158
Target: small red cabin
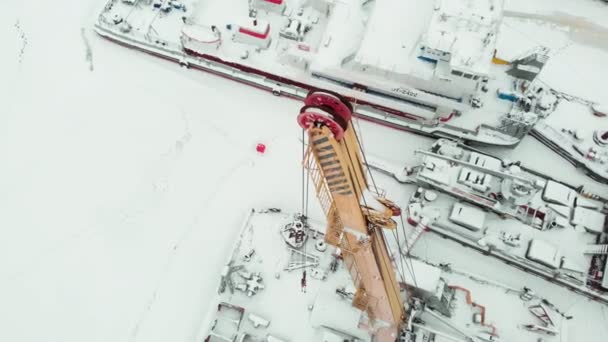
x=253, y=31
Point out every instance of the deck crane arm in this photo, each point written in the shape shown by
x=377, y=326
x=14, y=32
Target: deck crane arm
x=355, y=214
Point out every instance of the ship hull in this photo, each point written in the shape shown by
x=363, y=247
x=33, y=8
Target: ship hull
x=282, y=86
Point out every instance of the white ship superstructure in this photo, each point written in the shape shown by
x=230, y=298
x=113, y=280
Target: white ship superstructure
x=443, y=47
x=529, y=220
x=431, y=70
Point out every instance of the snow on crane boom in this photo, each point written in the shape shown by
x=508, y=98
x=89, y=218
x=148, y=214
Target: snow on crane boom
x=355, y=214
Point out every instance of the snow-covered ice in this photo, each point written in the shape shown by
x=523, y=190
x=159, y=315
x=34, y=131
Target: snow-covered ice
x=123, y=186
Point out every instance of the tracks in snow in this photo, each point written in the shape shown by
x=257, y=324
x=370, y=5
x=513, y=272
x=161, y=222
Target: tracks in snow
x=88, y=50
x=23, y=38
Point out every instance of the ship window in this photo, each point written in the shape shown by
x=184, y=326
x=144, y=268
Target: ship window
x=469, y=76
x=476, y=77
x=456, y=73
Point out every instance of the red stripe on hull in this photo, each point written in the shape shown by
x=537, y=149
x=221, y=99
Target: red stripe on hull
x=275, y=78
x=255, y=34
x=288, y=81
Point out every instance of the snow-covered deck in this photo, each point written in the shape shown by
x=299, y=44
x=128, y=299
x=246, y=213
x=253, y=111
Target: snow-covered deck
x=504, y=309
x=467, y=30
x=342, y=36
x=220, y=13
x=487, y=182
x=291, y=67
x=557, y=256
x=227, y=15
x=292, y=313
x=571, y=128
x=493, y=108
x=543, y=213
x=570, y=242
x=145, y=20
x=393, y=33
x=469, y=181
x=261, y=233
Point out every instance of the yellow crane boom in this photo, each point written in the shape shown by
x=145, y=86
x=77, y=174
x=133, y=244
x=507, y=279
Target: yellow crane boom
x=355, y=214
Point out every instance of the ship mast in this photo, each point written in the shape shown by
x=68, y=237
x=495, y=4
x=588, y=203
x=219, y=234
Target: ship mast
x=356, y=216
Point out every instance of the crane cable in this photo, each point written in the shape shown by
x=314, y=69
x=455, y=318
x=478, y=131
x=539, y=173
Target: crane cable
x=384, y=262
x=401, y=271
x=371, y=176
x=303, y=170
x=304, y=210
x=400, y=267
x=408, y=254
x=303, y=214
x=410, y=267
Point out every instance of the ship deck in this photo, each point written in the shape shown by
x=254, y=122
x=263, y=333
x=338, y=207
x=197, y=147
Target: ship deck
x=149, y=23
x=498, y=302
x=297, y=317
x=569, y=241
x=322, y=51
x=549, y=218
x=222, y=14
x=282, y=301
x=571, y=128
x=448, y=175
